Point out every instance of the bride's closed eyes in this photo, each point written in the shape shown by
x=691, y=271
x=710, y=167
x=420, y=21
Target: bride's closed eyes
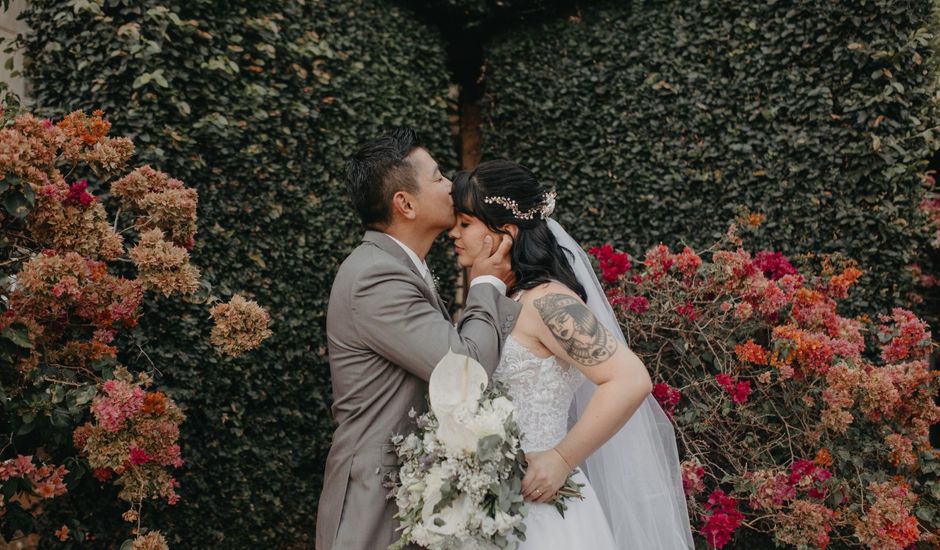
x=467, y=234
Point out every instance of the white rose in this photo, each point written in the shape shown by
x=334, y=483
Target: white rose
x=486, y=423
x=424, y=537
x=503, y=407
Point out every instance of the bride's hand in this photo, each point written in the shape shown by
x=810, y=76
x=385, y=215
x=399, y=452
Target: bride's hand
x=545, y=474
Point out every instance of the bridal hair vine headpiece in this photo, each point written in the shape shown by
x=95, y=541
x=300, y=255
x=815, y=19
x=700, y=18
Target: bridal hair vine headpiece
x=544, y=209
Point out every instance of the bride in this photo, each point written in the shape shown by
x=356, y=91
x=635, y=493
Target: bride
x=566, y=365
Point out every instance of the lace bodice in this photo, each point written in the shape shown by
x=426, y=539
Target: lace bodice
x=541, y=390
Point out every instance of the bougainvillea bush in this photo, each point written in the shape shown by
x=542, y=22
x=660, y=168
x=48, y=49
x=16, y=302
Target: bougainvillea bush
x=79, y=256
x=797, y=426
x=927, y=270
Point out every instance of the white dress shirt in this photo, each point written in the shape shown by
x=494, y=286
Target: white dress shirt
x=425, y=271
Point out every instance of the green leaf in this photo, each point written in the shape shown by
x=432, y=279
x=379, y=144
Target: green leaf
x=16, y=204
x=26, y=428
x=160, y=79
x=9, y=488
x=925, y=513
x=488, y=446
x=83, y=394
x=61, y=418
x=8, y=181
x=142, y=80
x=19, y=336
x=29, y=195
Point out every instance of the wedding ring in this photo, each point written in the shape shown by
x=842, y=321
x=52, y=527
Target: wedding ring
x=538, y=492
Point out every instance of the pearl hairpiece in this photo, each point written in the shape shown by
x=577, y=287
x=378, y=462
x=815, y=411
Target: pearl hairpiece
x=545, y=209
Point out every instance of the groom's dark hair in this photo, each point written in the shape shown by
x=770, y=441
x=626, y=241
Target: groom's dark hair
x=377, y=171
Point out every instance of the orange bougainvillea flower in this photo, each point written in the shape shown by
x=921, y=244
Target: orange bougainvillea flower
x=823, y=458
x=154, y=403
x=87, y=129
x=62, y=533
x=755, y=219
x=751, y=352
x=839, y=284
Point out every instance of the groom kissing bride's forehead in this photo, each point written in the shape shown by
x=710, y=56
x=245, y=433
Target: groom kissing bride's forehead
x=387, y=328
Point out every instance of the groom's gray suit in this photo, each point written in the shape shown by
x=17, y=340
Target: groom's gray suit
x=387, y=329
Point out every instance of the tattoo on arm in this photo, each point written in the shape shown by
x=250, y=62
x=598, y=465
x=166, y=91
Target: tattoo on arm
x=576, y=329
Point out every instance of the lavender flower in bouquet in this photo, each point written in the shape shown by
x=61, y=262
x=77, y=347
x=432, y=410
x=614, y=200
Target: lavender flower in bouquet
x=460, y=480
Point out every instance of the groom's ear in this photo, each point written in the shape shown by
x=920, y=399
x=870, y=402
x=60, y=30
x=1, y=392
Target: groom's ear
x=403, y=205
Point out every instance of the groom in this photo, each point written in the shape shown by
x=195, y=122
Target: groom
x=387, y=328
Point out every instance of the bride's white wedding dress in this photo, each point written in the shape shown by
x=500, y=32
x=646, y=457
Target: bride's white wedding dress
x=542, y=390
x=637, y=502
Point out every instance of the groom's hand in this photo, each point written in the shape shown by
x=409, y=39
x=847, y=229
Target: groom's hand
x=496, y=263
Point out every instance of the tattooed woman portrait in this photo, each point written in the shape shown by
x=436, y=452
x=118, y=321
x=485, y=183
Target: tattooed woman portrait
x=582, y=397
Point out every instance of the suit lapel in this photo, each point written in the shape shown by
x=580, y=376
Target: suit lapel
x=385, y=242
x=442, y=305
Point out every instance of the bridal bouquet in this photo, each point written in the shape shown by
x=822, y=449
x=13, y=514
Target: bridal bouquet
x=460, y=480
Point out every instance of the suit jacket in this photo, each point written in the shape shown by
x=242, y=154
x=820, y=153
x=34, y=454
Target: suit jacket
x=386, y=331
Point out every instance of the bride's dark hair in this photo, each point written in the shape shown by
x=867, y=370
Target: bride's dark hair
x=536, y=256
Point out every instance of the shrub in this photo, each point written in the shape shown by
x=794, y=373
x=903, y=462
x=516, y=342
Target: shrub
x=665, y=121
x=795, y=423
x=256, y=106
x=66, y=301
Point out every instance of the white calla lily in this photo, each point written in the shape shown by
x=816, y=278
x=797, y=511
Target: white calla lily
x=457, y=380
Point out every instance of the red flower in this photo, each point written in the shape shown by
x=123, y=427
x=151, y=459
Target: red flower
x=774, y=265
x=687, y=310
x=801, y=468
x=637, y=304
x=139, y=456
x=739, y=391
x=693, y=475
x=658, y=261
x=102, y=474
x=688, y=262
x=723, y=520
x=78, y=194
x=903, y=337
x=667, y=396
x=613, y=264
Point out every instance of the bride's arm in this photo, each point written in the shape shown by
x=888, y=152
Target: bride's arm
x=572, y=333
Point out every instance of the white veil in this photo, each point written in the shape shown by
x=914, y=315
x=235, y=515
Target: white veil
x=636, y=474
